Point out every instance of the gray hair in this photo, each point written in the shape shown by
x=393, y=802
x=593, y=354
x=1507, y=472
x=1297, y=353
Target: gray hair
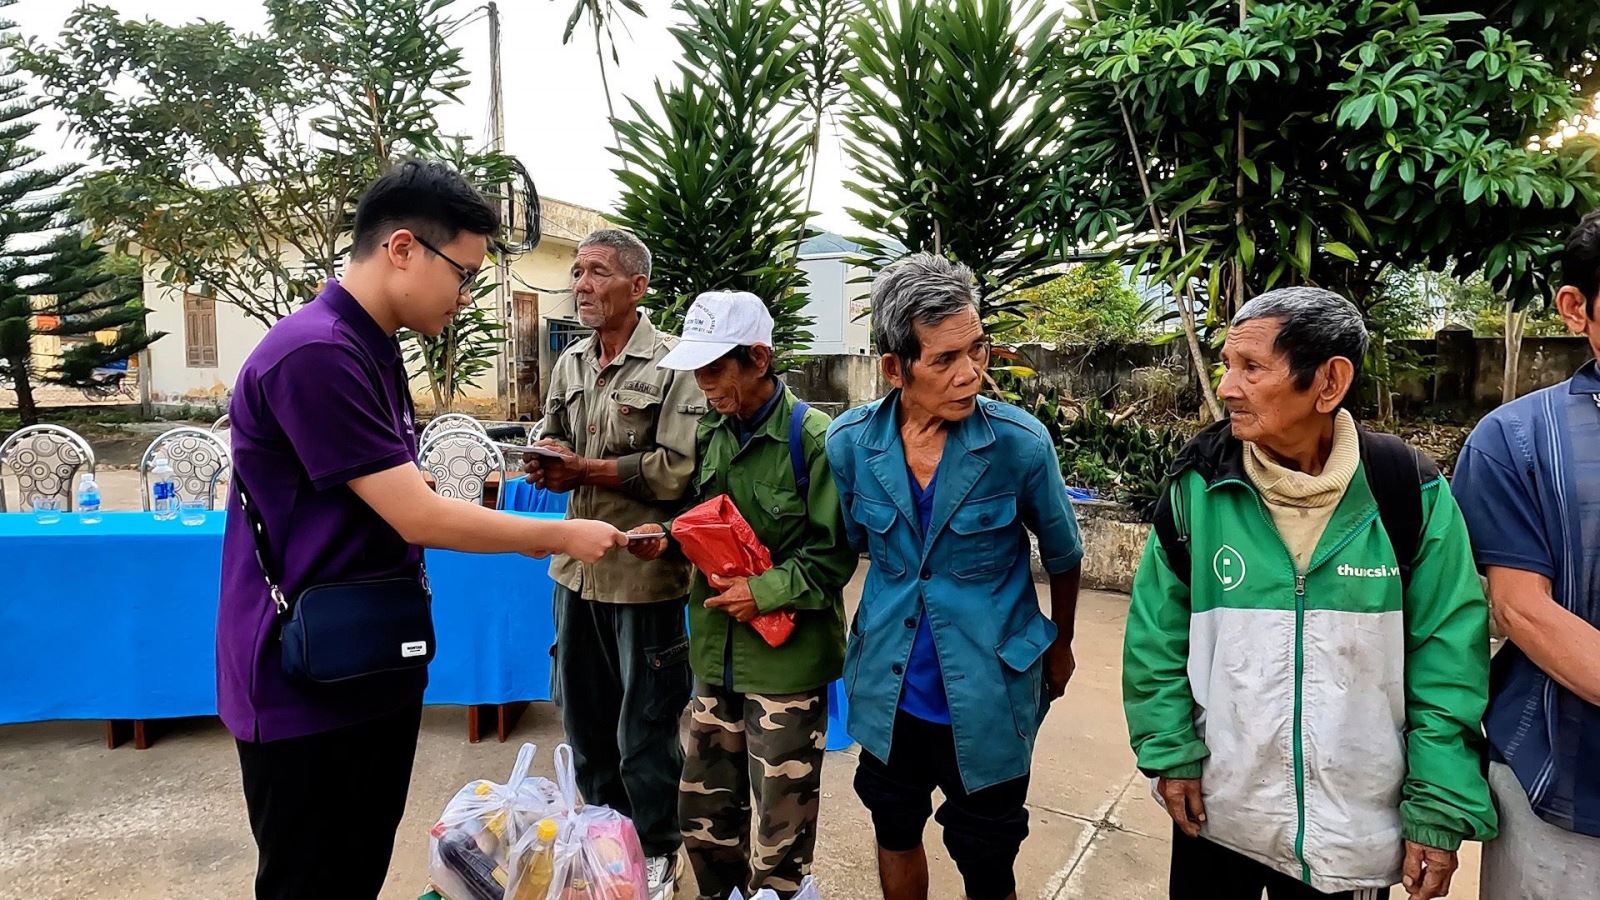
x=1314, y=326
x=920, y=289
x=632, y=254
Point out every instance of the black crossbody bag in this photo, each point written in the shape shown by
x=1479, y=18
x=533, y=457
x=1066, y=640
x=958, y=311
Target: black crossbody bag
x=344, y=631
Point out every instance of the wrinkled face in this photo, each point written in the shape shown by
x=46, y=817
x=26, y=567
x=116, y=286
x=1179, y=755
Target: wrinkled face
x=946, y=379
x=732, y=387
x=434, y=284
x=1259, y=390
x=603, y=291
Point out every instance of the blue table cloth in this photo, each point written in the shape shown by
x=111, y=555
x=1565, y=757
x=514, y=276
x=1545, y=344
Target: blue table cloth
x=117, y=620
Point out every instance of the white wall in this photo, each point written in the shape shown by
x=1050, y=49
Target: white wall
x=172, y=380
x=837, y=298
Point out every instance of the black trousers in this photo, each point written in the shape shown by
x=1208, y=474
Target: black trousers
x=983, y=830
x=622, y=679
x=1202, y=870
x=324, y=808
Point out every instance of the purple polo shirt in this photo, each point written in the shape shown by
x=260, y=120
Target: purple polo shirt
x=321, y=401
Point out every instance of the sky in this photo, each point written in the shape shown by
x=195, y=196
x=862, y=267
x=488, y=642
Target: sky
x=555, y=105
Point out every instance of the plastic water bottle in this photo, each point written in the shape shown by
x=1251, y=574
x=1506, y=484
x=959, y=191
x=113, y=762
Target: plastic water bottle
x=164, y=490
x=88, y=499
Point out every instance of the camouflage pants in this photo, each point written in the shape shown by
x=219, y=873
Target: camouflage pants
x=770, y=745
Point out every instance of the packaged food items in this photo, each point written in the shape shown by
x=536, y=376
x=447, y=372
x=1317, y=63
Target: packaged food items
x=595, y=853
x=472, y=842
x=536, y=863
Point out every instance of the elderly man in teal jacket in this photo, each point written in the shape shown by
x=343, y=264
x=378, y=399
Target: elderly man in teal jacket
x=951, y=664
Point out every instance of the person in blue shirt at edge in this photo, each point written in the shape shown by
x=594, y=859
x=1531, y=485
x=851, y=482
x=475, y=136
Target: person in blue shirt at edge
x=1528, y=482
x=951, y=665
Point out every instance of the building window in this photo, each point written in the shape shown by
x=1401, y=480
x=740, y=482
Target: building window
x=200, y=330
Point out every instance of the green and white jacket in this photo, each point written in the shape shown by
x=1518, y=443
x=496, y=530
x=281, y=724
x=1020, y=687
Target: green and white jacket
x=1329, y=712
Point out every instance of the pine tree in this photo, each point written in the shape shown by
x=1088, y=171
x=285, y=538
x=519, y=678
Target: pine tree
x=55, y=281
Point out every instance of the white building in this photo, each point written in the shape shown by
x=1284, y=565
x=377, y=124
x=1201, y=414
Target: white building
x=207, y=342
x=841, y=325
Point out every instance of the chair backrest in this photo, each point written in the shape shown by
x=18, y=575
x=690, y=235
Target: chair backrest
x=451, y=422
x=223, y=429
x=200, y=461
x=44, y=460
x=460, y=461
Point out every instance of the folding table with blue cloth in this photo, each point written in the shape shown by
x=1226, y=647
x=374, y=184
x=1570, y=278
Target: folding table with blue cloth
x=116, y=621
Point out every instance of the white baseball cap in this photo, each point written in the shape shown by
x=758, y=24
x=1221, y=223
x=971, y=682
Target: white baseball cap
x=717, y=322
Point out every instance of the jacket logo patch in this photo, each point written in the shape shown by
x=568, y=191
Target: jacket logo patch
x=643, y=387
x=1228, y=565
x=1348, y=571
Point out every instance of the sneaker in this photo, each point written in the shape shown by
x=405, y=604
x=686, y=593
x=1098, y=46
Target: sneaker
x=661, y=876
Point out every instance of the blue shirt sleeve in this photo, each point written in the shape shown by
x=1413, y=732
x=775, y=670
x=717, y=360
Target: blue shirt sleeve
x=842, y=463
x=1047, y=512
x=1500, y=502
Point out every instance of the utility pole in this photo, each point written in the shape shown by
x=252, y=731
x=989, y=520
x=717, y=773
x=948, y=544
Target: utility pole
x=505, y=365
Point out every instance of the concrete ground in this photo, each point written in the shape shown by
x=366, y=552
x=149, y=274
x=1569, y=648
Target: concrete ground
x=79, y=821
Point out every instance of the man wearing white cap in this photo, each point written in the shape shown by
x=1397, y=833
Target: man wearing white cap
x=759, y=712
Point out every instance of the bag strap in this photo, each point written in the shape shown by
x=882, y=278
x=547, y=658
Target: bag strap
x=263, y=549
x=797, y=453
x=258, y=535
x=1174, y=541
x=1396, y=473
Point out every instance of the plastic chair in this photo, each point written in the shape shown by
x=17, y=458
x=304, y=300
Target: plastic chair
x=44, y=460
x=200, y=460
x=460, y=461
x=451, y=422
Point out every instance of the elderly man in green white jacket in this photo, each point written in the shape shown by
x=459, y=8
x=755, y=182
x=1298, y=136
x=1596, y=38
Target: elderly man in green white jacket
x=1306, y=660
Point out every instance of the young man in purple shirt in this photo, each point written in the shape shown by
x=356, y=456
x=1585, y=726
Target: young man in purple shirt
x=323, y=438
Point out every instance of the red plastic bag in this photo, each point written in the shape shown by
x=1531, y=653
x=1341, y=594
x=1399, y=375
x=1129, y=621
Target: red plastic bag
x=719, y=541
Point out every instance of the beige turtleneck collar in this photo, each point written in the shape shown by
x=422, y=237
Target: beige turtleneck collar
x=1302, y=504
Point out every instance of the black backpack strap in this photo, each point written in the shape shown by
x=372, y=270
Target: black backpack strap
x=1174, y=538
x=1396, y=474
x=797, y=453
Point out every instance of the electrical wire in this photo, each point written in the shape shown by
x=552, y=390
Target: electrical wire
x=529, y=217
x=534, y=287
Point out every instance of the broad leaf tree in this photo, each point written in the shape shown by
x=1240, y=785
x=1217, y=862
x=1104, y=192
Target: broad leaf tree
x=236, y=159
x=1250, y=145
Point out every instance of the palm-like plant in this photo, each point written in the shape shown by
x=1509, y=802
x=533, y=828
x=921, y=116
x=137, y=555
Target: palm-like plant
x=824, y=58
x=956, y=133
x=601, y=13
x=711, y=182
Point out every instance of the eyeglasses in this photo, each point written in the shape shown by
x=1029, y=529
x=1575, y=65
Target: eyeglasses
x=467, y=275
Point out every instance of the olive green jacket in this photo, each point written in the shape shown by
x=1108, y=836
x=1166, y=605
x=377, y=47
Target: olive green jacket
x=644, y=417
x=812, y=558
